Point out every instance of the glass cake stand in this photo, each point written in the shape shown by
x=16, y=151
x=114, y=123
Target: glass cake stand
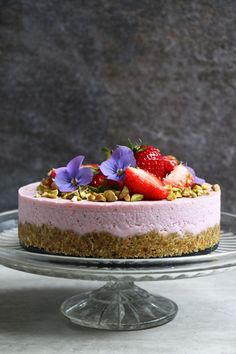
x=119, y=304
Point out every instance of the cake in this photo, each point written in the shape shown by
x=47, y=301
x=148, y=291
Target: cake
x=136, y=204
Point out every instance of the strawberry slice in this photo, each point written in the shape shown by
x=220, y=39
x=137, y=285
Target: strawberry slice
x=142, y=182
x=180, y=177
x=170, y=162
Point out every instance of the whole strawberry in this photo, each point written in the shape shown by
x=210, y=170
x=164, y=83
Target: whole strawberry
x=149, y=159
x=101, y=181
x=98, y=179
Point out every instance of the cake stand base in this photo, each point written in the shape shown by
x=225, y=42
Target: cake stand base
x=119, y=306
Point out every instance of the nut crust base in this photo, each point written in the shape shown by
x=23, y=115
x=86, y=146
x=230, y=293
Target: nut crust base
x=105, y=245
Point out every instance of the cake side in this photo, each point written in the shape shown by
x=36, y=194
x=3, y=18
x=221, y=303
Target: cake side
x=121, y=219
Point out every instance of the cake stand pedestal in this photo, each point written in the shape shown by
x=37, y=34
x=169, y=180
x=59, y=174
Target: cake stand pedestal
x=119, y=304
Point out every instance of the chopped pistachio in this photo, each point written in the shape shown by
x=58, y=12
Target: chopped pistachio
x=69, y=195
x=92, y=196
x=127, y=198
x=100, y=198
x=178, y=194
x=216, y=187
x=197, y=188
x=53, y=186
x=110, y=196
x=74, y=199
x=175, y=189
x=186, y=192
x=45, y=181
x=50, y=194
x=42, y=188
x=171, y=196
x=123, y=193
x=193, y=194
x=83, y=194
x=205, y=186
x=136, y=197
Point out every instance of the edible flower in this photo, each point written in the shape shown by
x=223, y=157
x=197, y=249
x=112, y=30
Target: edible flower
x=196, y=179
x=121, y=158
x=72, y=176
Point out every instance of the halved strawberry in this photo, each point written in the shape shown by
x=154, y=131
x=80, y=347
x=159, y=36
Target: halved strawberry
x=169, y=163
x=143, y=182
x=180, y=177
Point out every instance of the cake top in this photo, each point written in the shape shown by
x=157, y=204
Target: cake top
x=129, y=173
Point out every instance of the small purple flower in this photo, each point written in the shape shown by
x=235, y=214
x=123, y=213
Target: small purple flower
x=121, y=158
x=196, y=179
x=72, y=176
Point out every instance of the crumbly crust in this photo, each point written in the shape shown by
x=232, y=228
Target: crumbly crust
x=106, y=245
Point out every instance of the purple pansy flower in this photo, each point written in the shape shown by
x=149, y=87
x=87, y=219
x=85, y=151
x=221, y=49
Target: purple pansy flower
x=121, y=158
x=72, y=176
x=196, y=179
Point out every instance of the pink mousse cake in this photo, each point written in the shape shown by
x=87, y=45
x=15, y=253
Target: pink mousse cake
x=81, y=210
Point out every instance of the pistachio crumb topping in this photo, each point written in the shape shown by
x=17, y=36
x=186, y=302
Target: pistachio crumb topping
x=48, y=189
x=194, y=191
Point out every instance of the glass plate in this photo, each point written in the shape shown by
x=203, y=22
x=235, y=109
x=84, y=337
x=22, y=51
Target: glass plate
x=227, y=247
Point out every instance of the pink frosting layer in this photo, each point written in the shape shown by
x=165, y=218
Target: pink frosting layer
x=121, y=218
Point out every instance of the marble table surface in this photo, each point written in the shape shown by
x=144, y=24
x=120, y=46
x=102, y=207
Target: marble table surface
x=30, y=320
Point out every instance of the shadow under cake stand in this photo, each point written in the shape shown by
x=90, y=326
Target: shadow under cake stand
x=119, y=304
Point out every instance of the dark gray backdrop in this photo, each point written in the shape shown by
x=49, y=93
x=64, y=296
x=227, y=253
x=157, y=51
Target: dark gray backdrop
x=77, y=75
